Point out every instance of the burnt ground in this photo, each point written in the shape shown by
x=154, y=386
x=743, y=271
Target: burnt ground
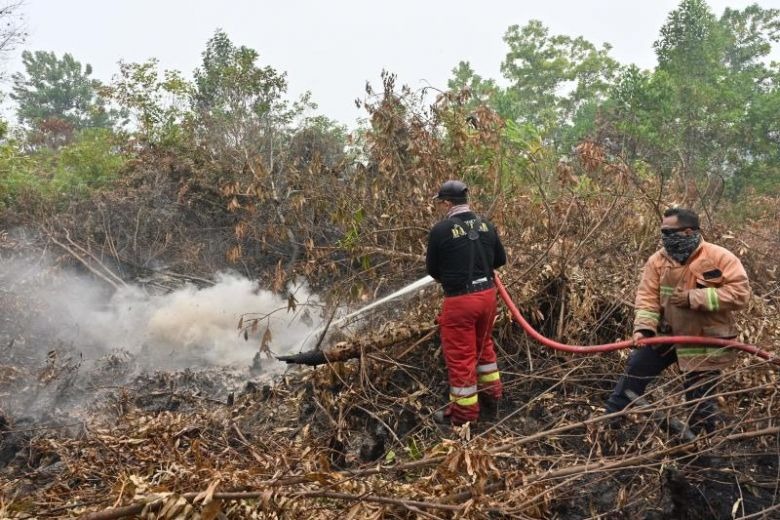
x=80, y=436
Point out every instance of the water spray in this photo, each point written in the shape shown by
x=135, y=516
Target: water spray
x=411, y=288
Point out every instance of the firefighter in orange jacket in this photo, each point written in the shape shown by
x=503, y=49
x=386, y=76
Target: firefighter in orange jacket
x=462, y=252
x=688, y=288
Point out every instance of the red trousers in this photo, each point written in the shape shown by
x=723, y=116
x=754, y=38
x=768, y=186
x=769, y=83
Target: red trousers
x=466, y=326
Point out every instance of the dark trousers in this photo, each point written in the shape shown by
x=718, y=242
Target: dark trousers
x=646, y=363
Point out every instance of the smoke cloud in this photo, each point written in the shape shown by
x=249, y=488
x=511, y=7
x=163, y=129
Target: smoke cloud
x=186, y=328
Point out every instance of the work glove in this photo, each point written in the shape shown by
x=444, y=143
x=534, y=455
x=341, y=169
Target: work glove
x=680, y=299
x=640, y=334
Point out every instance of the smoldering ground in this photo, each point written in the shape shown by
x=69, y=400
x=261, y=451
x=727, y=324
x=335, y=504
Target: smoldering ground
x=60, y=329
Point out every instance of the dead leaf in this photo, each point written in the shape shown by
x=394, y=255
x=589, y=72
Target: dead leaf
x=265, y=343
x=211, y=510
x=207, y=495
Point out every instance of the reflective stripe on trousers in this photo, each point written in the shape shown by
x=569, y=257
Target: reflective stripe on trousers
x=464, y=395
x=488, y=373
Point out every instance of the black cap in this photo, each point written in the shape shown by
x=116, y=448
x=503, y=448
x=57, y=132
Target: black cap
x=452, y=190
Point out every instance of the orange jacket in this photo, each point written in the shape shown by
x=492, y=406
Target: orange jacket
x=716, y=284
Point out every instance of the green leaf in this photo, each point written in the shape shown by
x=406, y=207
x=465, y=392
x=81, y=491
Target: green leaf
x=390, y=457
x=414, y=451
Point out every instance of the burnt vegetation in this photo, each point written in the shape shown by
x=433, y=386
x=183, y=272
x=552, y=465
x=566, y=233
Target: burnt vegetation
x=230, y=175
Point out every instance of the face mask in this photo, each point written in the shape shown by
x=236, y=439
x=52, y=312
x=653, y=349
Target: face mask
x=680, y=246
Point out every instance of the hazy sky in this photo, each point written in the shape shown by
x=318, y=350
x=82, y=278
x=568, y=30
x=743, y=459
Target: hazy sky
x=332, y=48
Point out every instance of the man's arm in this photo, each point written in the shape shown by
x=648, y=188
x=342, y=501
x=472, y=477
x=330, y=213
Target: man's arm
x=733, y=294
x=648, y=300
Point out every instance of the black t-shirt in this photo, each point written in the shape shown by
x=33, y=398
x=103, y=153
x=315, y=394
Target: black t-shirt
x=448, y=256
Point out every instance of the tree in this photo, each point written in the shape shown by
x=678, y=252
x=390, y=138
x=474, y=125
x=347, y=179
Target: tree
x=239, y=104
x=244, y=123
x=704, y=116
x=556, y=82
x=553, y=77
x=715, y=75
x=317, y=142
x=11, y=29
x=692, y=42
x=751, y=33
x=158, y=105
x=464, y=78
x=57, y=96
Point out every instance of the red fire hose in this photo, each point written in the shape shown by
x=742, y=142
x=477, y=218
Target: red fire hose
x=591, y=349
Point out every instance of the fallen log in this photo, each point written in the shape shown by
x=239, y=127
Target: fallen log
x=391, y=334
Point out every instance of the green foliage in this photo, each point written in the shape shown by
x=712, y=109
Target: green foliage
x=523, y=144
x=157, y=106
x=555, y=82
x=704, y=117
x=482, y=90
x=16, y=175
x=60, y=90
x=91, y=161
x=241, y=115
x=750, y=34
x=317, y=141
x=234, y=97
x=553, y=76
x=352, y=236
x=691, y=41
x=3, y=128
x=229, y=83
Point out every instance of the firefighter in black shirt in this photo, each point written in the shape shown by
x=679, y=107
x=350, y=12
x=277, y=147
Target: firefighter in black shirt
x=462, y=252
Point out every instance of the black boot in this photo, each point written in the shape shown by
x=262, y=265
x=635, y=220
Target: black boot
x=705, y=415
x=488, y=408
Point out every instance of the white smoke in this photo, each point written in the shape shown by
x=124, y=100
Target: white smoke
x=206, y=319
x=190, y=326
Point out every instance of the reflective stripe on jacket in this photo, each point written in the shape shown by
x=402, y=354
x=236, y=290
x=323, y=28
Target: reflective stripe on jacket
x=718, y=285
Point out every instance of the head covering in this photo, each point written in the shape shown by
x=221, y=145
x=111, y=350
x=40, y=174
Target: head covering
x=452, y=189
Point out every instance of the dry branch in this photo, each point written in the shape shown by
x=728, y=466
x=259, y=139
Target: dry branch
x=688, y=448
